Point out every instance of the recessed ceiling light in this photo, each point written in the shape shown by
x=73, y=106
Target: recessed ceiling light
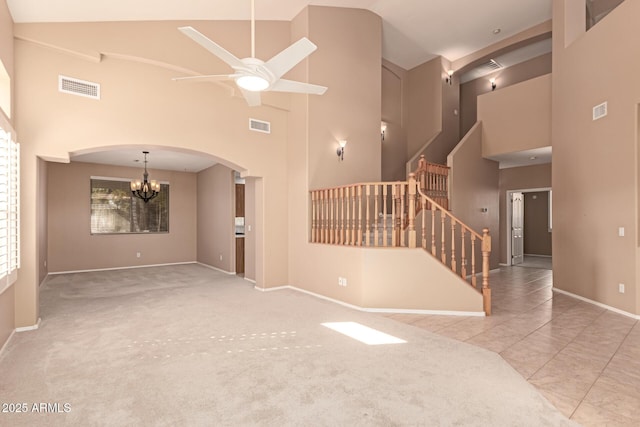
x=532, y=158
x=497, y=31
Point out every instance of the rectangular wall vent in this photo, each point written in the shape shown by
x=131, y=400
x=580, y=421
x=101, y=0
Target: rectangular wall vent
x=599, y=111
x=78, y=87
x=259, y=126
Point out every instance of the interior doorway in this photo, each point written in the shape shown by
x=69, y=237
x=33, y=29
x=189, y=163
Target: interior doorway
x=529, y=227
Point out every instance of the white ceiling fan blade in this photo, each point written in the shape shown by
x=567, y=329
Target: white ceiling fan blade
x=252, y=98
x=284, y=85
x=211, y=78
x=211, y=46
x=290, y=57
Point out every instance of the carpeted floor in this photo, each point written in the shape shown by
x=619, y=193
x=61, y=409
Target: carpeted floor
x=186, y=345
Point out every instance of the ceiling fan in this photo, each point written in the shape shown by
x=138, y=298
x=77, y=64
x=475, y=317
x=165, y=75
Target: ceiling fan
x=253, y=75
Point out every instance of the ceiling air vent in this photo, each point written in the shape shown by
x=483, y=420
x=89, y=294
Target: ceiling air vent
x=78, y=87
x=599, y=111
x=259, y=126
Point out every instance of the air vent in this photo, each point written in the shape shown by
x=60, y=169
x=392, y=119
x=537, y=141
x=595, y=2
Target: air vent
x=78, y=87
x=259, y=126
x=493, y=65
x=599, y=111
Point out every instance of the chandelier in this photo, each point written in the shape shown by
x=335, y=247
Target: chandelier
x=145, y=189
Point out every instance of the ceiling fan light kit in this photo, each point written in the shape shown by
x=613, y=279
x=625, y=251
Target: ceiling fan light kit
x=253, y=75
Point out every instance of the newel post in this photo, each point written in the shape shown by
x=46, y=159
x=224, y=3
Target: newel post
x=412, y=210
x=486, y=290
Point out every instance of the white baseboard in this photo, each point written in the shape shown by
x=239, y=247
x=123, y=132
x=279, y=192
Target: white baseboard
x=378, y=310
x=230, y=273
x=6, y=343
x=250, y=280
x=29, y=328
x=121, y=268
x=596, y=303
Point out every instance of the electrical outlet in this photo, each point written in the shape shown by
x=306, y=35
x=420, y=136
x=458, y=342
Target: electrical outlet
x=248, y=228
x=344, y=281
x=220, y=257
x=621, y=288
x=138, y=254
x=339, y=281
x=621, y=231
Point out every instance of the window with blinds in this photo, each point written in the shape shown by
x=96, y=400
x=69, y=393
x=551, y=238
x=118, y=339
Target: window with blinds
x=9, y=209
x=115, y=210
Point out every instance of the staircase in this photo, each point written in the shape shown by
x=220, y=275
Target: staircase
x=407, y=214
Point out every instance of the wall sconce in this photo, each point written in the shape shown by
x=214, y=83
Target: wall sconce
x=449, y=78
x=383, y=129
x=343, y=143
x=493, y=83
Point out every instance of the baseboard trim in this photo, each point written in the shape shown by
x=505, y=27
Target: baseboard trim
x=6, y=343
x=377, y=310
x=29, y=328
x=596, y=303
x=120, y=268
x=250, y=280
x=230, y=273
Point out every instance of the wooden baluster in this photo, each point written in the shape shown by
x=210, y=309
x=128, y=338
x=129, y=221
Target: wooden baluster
x=443, y=254
x=394, y=238
x=376, y=210
x=342, y=200
x=453, y=246
x=320, y=215
x=463, y=259
x=402, y=215
x=412, y=210
x=359, y=237
x=325, y=215
x=486, y=252
x=424, y=224
x=313, y=217
x=384, y=213
x=473, y=261
x=336, y=229
x=367, y=190
x=354, y=208
x=349, y=216
x=433, y=231
x=331, y=217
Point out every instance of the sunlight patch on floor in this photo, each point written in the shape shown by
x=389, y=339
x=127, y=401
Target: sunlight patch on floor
x=363, y=333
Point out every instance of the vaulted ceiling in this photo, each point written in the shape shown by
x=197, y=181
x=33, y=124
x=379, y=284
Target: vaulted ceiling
x=414, y=31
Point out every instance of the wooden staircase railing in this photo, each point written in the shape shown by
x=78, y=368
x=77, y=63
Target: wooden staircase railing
x=434, y=181
x=383, y=214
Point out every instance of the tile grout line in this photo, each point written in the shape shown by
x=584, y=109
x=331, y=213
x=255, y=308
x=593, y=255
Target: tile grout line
x=604, y=368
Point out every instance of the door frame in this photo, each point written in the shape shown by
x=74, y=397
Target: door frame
x=509, y=212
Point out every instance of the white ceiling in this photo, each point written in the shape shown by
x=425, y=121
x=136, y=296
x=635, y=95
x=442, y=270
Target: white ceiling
x=157, y=158
x=413, y=31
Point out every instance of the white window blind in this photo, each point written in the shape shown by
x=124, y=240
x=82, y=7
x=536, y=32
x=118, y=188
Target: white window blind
x=9, y=209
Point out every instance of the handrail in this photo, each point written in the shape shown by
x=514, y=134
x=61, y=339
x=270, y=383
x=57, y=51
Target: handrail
x=383, y=214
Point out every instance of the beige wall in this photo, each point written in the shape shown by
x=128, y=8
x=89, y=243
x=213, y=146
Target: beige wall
x=6, y=315
x=394, y=111
x=6, y=54
x=595, y=163
x=522, y=178
x=425, y=104
x=516, y=118
x=72, y=247
x=349, y=63
x=250, y=229
x=470, y=91
x=142, y=107
x=7, y=312
x=42, y=231
x=474, y=183
x=216, y=212
x=537, y=236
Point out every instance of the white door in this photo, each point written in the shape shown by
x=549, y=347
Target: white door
x=517, y=224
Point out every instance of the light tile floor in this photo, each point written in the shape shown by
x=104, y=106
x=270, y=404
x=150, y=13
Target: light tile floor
x=584, y=359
